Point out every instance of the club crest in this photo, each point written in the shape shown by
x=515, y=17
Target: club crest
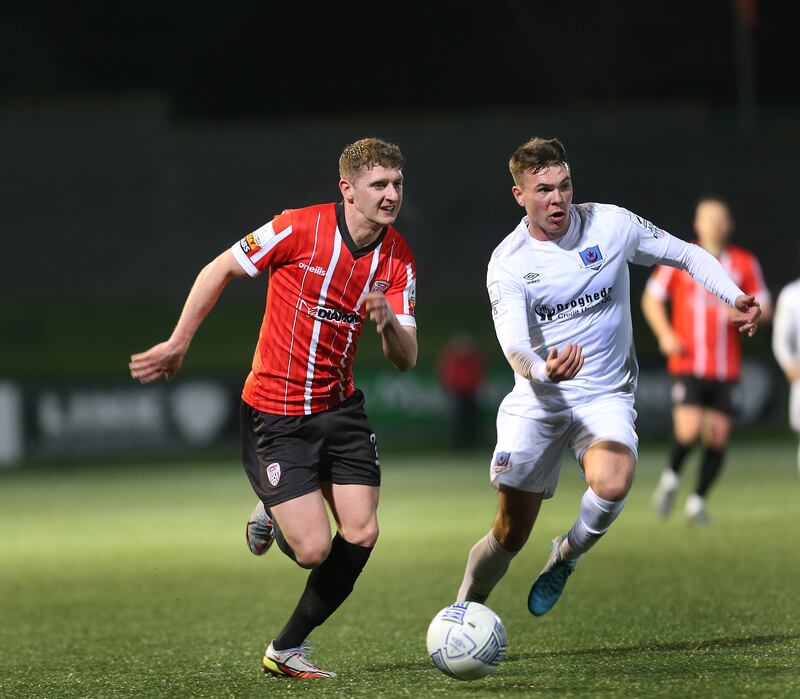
x=502, y=462
x=591, y=257
x=274, y=473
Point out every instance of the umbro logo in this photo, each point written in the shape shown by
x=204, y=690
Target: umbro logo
x=532, y=278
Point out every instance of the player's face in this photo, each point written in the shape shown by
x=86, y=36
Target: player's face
x=377, y=194
x=713, y=223
x=546, y=196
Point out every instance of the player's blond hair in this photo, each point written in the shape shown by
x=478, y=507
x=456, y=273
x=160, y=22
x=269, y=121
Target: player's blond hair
x=367, y=153
x=536, y=155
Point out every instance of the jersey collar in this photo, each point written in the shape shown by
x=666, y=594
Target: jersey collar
x=355, y=251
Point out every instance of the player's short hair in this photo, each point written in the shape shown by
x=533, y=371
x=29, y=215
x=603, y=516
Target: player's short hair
x=712, y=199
x=536, y=155
x=367, y=153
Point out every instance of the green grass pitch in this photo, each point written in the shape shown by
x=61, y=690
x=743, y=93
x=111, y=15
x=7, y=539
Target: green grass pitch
x=136, y=582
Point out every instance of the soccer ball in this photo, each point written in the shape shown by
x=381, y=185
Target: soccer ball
x=466, y=640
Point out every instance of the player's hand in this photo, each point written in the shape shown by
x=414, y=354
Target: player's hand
x=670, y=344
x=566, y=365
x=748, y=313
x=793, y=372
x=377, y=309
x=159, y=362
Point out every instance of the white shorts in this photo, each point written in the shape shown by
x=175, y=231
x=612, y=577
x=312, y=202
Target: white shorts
x=794, y=406
x=530, y=450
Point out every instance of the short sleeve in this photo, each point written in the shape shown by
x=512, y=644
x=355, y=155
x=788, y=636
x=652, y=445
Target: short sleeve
x=647, y=243
x=661, y=281
x=269, y=245
x=402, y=291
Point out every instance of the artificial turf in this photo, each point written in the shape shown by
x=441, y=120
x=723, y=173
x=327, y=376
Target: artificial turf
x=134, y=581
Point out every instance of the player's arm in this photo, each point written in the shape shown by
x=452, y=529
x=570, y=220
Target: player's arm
x=785, y=340
x=654, y=307
x=652, y=245
x=165, y=358
x=511, y=326
x=399, y=341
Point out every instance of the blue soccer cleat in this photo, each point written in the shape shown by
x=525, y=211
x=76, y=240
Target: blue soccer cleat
x=550, y=583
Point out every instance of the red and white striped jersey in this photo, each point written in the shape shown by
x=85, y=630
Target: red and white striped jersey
x=313, y=319
x=702, y=321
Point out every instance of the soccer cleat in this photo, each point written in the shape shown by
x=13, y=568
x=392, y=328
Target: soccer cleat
x=664, y=494
x=293, y=662
x=259, y=531
x=695, y=511
x=548, y=587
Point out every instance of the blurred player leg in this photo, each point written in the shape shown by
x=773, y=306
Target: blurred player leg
x=688, y=422
x=490, y=556
x=716, y=430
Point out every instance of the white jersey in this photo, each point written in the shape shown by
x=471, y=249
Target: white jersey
x=547, y=294
x=786, y=326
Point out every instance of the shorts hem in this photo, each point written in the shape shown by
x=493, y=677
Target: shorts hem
x=279, y=499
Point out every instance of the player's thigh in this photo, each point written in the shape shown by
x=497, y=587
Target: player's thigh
x=529, y=451
x=794, y=406
x=605, y=444
x=304, y=524
x=687, y=408
x=517, y=511
x=355, y=509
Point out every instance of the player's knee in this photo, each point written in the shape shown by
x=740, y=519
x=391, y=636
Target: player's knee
x=311, y=553
x=613, y=488
x=363, y=535
x=510, y=535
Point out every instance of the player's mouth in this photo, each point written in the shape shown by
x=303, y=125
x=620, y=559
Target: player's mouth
x=389, y=209
x=558, y=217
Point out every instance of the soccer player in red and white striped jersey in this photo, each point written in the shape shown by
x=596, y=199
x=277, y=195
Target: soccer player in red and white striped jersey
x=305, y=436
x=703, y=353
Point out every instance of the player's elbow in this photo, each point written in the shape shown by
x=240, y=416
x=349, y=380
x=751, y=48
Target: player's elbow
x=406, y=362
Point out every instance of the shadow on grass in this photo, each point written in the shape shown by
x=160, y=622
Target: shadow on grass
x=708, y=644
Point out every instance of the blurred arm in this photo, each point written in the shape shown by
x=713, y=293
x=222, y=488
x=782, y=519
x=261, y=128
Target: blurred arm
x=655, y=313
x=165, y=358
x=785, y=340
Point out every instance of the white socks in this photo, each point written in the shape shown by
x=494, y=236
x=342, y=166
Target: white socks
x=487, y=564
x=595, y=518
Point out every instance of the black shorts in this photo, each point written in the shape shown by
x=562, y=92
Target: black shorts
x=707, y=393
x=286, y=456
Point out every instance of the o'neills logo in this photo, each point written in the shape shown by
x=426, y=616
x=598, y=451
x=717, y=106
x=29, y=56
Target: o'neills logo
x=316, y=269
x=574, y=307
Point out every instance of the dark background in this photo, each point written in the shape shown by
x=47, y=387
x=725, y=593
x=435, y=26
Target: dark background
x=141, y=139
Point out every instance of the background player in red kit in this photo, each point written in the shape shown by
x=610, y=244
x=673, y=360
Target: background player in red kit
x=305, y=436
x=704, y=356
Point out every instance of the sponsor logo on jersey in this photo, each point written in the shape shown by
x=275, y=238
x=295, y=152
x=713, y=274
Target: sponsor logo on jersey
x=249, y=243
x=591, y=257
x=532, y=278
x=316, y=269
x=501, y=463
x=274, y=473
x=332, y=315
x=380, y=286
x=574, y=307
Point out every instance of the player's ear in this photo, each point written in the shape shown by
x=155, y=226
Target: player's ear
x=517, y=192
x=347, y=190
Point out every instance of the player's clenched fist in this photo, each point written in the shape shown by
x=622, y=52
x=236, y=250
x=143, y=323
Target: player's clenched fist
x=565, y=365
x=159, y=362
x=377, y=309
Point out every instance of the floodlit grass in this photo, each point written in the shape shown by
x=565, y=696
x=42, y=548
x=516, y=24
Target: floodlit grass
x=135, y=582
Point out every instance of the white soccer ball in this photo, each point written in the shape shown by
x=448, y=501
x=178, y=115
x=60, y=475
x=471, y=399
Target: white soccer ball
x=466, y=640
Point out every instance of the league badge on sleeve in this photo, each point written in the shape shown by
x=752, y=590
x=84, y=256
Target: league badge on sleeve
x=591, y=257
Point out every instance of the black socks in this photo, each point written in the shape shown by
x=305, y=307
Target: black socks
x=709, y=469
x=678, y=456
x=328, y=586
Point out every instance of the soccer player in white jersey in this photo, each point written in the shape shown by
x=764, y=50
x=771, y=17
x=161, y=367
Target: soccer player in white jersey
x=786, y=346
x=560, y=298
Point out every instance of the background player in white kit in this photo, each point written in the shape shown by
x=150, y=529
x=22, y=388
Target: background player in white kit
x=560, y=296
x=786, y=346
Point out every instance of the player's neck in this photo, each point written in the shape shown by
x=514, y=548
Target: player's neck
x=362, y=231
x=713, y=248
x=539, y=234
